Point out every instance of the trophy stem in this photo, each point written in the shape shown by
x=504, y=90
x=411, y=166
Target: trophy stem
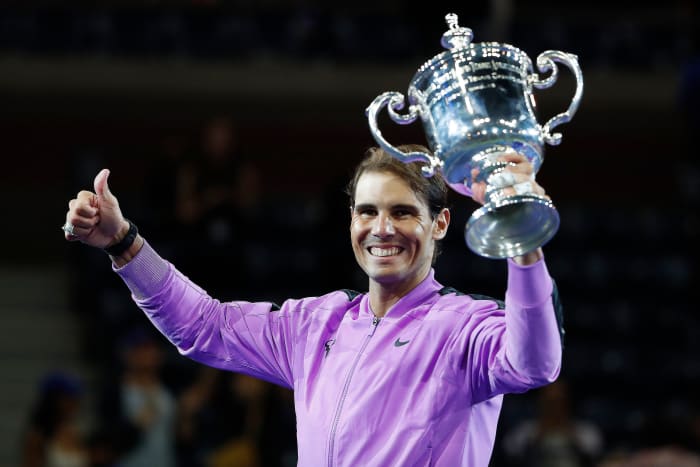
x=511, y=226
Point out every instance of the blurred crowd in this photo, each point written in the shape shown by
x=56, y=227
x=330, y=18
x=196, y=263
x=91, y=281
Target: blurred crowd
x=148, y=406
x=608, y=34
x=146, y=414
x=210, y=208
x=249, y=225
x=221, y=419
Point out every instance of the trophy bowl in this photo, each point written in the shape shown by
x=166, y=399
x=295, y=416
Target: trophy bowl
x=476, y=103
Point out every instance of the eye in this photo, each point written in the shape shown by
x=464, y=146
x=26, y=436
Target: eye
x=366, y=211
x=401, y=212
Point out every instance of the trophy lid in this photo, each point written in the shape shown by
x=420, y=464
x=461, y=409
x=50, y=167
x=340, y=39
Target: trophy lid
x=458, y=42
x=456, y=37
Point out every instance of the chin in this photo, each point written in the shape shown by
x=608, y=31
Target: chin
x=383, y=276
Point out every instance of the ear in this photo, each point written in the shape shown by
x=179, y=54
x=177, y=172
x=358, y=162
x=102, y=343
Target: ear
x=440, y=224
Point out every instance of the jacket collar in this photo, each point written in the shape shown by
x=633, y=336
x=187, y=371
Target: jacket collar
x=419, y=295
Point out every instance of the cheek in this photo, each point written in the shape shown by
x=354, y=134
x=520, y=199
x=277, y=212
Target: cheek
x=423, y=237
x=420, y=231
x=356, y=230
x=357, y=225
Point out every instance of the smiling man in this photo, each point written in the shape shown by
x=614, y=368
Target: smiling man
x=411, y=373
x=394, y=230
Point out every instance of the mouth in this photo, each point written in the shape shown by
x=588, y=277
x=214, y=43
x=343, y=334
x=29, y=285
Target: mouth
x=384, y=252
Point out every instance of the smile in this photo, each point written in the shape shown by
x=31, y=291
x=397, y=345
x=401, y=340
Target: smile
x=383, y=252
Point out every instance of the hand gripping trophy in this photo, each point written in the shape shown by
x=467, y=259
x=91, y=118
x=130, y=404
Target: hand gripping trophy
x=475, y=101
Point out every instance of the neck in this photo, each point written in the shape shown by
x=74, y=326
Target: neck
x=383, y=296
x=381, y=300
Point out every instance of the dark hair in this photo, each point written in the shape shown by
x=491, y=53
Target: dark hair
x=432, y=190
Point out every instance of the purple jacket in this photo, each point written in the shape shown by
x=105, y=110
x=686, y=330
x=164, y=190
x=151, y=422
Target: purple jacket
x=421, y=386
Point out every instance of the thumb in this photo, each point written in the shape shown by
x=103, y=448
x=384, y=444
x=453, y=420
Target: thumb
x=101, y=186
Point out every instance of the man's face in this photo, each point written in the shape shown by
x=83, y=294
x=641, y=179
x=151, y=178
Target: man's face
x=392, y=233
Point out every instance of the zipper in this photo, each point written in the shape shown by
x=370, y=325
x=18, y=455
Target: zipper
x=344, y=393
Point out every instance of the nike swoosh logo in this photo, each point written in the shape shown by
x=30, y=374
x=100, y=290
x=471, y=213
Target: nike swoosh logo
x=399, y=343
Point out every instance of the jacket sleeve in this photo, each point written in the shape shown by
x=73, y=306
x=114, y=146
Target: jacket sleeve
x=236, y=336
x=533, y=343
x=516, y=349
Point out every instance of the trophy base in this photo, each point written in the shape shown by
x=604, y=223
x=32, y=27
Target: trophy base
x=512, y=226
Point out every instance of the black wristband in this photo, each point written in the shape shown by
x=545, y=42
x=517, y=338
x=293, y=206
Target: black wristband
x=119, y=248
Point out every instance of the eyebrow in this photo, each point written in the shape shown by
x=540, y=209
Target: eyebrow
x=406, y=207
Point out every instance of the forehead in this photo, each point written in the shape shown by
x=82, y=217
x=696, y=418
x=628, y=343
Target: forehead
x=385, y=188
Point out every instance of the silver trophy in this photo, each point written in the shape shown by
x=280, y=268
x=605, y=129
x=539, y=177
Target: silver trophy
x=476, y=102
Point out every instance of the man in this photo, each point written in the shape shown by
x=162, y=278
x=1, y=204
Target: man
x=409, y=373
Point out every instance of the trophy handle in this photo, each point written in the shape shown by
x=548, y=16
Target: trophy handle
x=395, y=101
x=545, y=63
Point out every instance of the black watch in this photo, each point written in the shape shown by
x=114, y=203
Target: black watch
x=119, y=248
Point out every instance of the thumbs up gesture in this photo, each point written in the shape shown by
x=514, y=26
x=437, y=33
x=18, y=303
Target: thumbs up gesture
x=95, y=218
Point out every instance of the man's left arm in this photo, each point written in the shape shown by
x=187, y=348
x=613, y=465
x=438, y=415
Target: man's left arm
x=533, y=334
x=525, y=348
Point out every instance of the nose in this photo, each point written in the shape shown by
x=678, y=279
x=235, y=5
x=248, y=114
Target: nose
x=383, y=226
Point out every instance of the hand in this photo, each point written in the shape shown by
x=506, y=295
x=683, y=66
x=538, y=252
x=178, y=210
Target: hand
x=516, y=178
x=96, y=217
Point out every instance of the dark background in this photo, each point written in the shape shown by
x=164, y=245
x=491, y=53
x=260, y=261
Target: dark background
x=117, y=84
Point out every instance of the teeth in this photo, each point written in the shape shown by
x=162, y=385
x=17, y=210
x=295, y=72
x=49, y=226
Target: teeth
x=376, y=251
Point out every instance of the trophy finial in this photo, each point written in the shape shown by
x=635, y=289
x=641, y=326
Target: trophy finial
x=456, y=36
x=452, y=20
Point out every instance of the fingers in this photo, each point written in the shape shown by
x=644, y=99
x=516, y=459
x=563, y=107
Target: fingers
x=78, y=226
x=517, y=163
x=94, y=217
x=522, y=188
x=83, y=204
x=479, y=192
x=67, y=235
x=515, y=178
x=509, y=178
x=82, y=225
x=511, y=156
x=82, y=216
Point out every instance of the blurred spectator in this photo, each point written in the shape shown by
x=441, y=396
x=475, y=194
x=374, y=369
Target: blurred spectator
x=54, y=438
x=671, y=456
x=279, y=440
x=233, y=420
x=669, y=437
x=242, y=448
x=138, y=410
x=161, y=185
x=207, y=189
x=217, y=193
x=555, y=438
x=195, y=411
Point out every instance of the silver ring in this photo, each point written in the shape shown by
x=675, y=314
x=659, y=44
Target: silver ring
x=68, y=228
x=501, y=180
x=523, y=188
